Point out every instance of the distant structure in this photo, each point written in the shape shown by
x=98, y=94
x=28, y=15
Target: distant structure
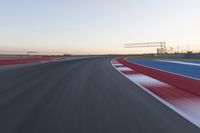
x=161, y=46
x=31, y=52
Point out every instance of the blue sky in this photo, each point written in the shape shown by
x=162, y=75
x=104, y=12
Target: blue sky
x=97, y=26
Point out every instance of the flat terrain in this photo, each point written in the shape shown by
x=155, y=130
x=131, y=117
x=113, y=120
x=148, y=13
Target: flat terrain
x=81, y=96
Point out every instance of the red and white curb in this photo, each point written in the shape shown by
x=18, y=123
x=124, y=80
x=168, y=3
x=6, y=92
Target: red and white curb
x=184, y=103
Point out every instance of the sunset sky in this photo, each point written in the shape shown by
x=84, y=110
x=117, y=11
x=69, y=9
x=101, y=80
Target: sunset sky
x=97, y=26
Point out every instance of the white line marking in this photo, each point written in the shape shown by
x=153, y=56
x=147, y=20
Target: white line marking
x=123, y=69
x=180, y=62
x=118, y=65
x=190, y=106
x=146, y=80
x=167, y=71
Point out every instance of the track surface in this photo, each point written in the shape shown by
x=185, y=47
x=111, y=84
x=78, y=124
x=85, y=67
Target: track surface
x=81, y=96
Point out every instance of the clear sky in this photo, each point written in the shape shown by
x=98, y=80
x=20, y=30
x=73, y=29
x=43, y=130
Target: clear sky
x=97, y=26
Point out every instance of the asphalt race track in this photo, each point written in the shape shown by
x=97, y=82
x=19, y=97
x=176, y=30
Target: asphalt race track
x=81, y=96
